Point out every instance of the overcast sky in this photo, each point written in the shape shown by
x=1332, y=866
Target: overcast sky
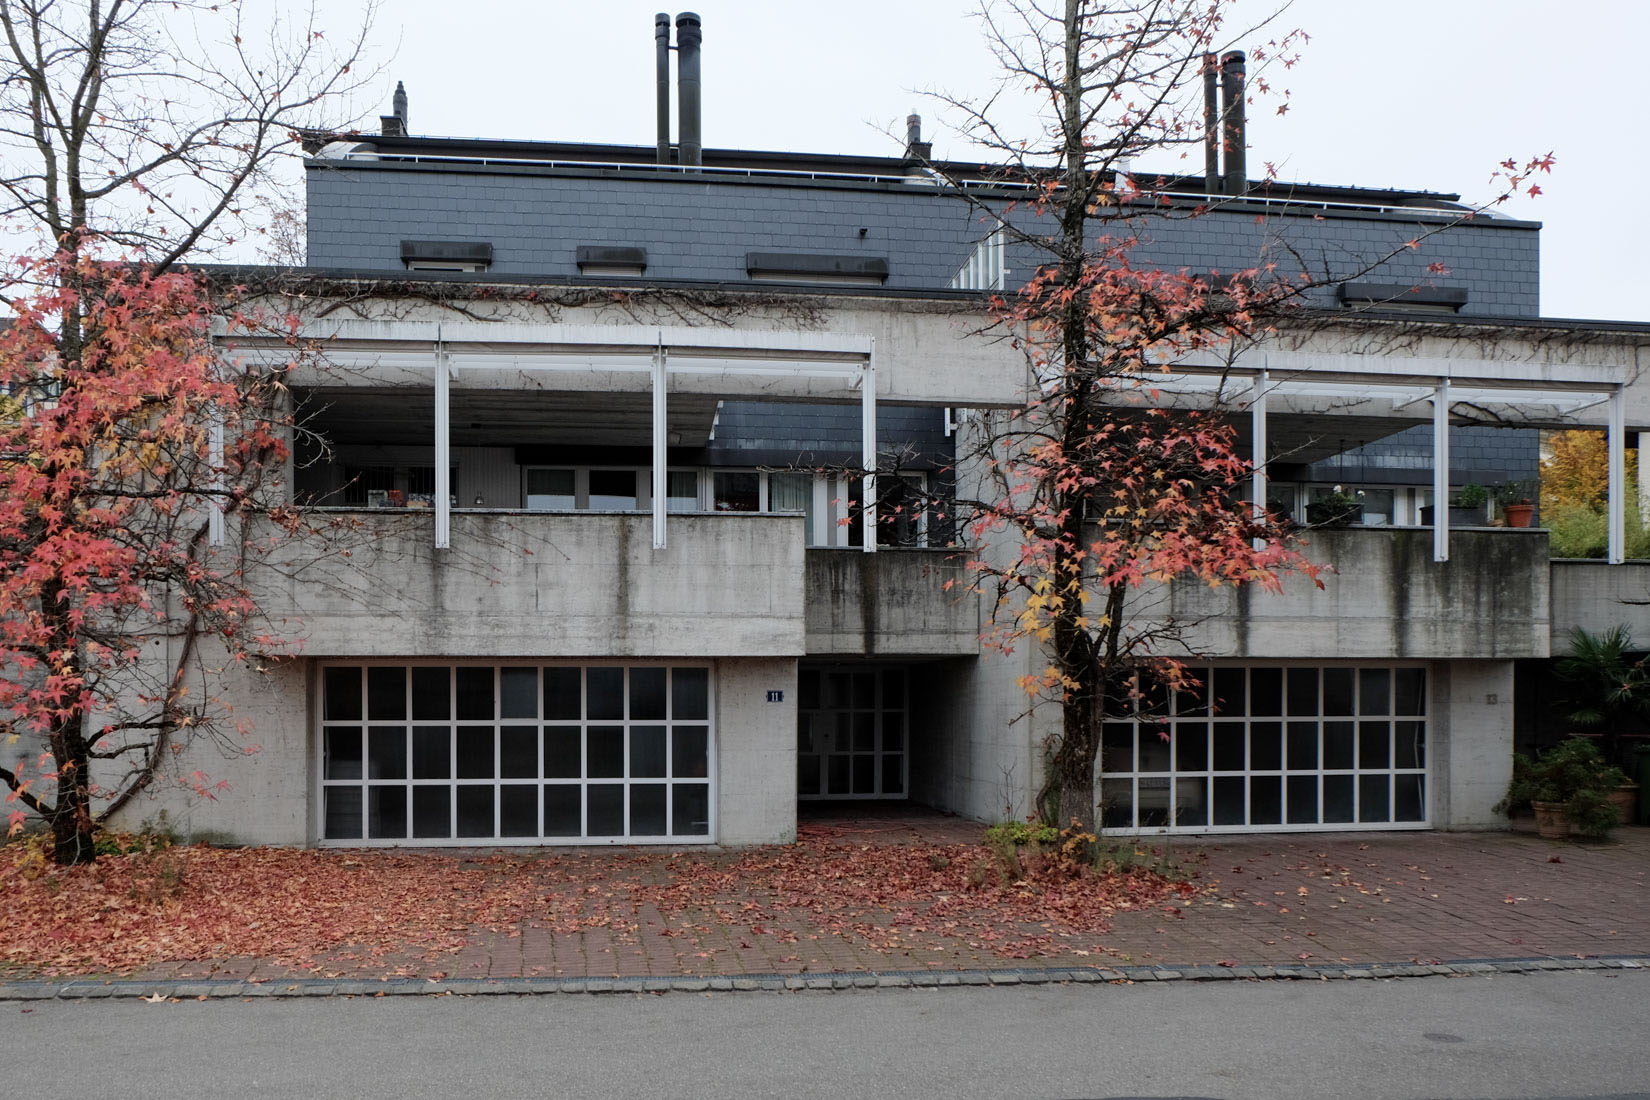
x=1423, y=95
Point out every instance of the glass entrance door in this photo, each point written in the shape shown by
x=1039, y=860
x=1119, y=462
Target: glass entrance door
x=851, y=733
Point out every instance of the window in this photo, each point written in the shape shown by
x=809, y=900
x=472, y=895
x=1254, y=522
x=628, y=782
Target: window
x=737, y=491
x=1270, y=748
x=682, y=491
x=522, y=753
x=551, y=490
x=613, y=490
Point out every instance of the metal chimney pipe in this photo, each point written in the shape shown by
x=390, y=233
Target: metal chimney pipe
x=913, y=130
x=661, y=52
x=687, y=86
x=1232, y=73
x=1211, y=123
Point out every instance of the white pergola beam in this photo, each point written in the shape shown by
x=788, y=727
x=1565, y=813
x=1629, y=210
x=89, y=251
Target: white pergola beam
x=1440, y=471
x=1257, y=452
x=443, y=452
x=868, y=451
x=1616, y=498
x=661, y=464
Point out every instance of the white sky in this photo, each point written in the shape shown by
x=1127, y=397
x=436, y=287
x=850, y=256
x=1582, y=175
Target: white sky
x=1405, y=93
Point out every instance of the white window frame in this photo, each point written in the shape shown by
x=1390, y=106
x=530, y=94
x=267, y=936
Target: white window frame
x=321, y=784
x=1147, y=726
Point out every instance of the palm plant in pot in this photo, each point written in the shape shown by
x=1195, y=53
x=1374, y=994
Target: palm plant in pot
x=1568, y=787
x=1608, y=688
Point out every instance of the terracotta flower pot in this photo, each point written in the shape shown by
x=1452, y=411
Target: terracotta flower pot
x=1518, y=515
x=1550, y=821
x=1626, y=798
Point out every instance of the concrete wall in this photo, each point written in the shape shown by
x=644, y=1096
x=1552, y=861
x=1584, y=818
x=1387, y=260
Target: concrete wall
x=1471, y=734
x=755, y=752
x=542, y=585
x=267, y=768
x=890, y=603
x=1386, y=598
x=976, y=744
x=1596, y=596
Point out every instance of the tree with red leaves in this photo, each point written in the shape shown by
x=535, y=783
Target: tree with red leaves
x=1093, y=495
x=134, y=134
x=120, y=470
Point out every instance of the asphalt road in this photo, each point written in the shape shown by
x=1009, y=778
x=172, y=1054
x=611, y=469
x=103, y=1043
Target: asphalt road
x=1566, y=1034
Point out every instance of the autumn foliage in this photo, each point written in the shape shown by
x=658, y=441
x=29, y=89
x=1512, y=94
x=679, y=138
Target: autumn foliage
x=125, y=432
x=340, y=912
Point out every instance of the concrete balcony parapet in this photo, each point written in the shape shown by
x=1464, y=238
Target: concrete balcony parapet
x=893, y=603
x=1385, y=599
x=518, y=584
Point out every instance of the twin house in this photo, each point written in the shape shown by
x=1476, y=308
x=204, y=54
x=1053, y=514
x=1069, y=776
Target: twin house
x=599, y=417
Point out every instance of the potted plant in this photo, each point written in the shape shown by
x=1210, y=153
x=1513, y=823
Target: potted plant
x=1568, y=788
x=1608, y=689
x=1517, y=503
x=1334, y=509
x=1466, y=507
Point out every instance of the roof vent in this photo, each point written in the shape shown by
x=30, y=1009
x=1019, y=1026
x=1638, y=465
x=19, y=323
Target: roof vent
x=810, y=267
x=605, y=259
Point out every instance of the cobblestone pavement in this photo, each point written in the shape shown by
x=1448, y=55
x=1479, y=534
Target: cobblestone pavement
x=1335, y=902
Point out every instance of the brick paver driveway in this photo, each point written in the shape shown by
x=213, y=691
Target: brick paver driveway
x=1263, y=901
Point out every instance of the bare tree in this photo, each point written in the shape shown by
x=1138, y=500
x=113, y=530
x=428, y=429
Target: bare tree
x=147, y=125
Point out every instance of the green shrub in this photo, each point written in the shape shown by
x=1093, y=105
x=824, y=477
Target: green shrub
x=1020, y=833
x=1574, y=774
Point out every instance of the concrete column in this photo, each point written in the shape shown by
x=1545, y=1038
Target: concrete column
x=755, y=751
x=1470, y=730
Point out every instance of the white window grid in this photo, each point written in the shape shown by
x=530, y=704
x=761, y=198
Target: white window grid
x=1166, y=790
x=541, y=724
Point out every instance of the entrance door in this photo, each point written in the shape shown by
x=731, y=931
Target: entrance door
x=851, y=733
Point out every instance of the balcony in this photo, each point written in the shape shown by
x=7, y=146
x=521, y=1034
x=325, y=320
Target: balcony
x=893, y=603
x=1595, y=596
x=517, y=584
x=1386, y=599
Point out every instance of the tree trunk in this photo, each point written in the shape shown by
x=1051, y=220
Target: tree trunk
x=73, y=834
x=1074, y=765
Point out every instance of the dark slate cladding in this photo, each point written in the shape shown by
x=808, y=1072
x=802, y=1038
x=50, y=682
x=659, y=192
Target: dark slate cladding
x=807, y=435
x=703, y=230
x=699, y=231
x=1484, y=455
x=1498, y=265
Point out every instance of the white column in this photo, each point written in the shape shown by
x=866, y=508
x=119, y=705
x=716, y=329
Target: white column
x=1440, y=471
x=661, y=458
x=214, y=458
x=868, y=449
x=443, y=451
x=1616, y=500
x=1257, y=452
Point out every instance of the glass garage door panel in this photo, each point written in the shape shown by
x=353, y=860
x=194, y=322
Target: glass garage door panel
x=519, y=753
x=1271, y=748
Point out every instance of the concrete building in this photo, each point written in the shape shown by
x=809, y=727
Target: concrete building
x=591, y=414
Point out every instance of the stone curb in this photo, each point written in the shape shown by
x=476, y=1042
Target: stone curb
x=76, y=989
